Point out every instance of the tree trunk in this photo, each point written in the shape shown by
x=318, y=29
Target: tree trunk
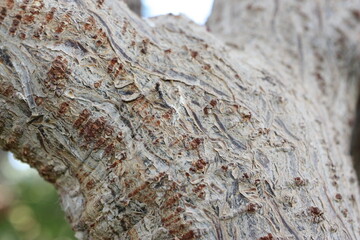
x=163, y=130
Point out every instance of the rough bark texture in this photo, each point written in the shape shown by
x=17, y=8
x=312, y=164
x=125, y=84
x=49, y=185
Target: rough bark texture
x=158, y=130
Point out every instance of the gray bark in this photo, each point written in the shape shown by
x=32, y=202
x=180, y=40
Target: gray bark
x=163, y=130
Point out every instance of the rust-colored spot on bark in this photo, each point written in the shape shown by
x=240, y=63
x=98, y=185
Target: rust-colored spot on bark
x=213, y=103
x=252, y=207
x=10, y=4
x=246, y=116
x=90, y=184
x=39, y=100
x=172, y=200
x=200, y=165
x=109, y=149
x=28, y=19
x=299, y=181
x=90, y=24
x=12, y=30
x=177, y=229
x=64, y=107
x=84, y=115
x=338, y=197
x=100, y=3
x=50, y=15
x=167, y=51
x=199, y=188
x=356, y=14
x=172, y=222
x=97, y=84
x=47, y=173
x=267, y=237
x=98, y=43
x=9, y=91
x=194, y=144
x=206, y=67
x=111, y=65
x=139, y=189
x=22, y=36
x=109, y=131
x=57, y=75
x=99, y=143
x=60, y=27
x=26, y=151
x=2, y=14
x=188, y=236
x=194, y=54
x=315, y=211
x=93, y=129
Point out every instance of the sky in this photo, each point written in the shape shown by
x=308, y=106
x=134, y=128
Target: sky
x=197, y=10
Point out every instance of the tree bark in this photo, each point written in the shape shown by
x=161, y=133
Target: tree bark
x=162, y=130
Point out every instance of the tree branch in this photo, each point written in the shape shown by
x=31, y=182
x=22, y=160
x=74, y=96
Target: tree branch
x=159, y=132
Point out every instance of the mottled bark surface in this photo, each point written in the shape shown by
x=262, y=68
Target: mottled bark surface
x=160, y=130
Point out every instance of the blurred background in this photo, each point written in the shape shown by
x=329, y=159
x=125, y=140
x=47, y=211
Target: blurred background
x=29, y=206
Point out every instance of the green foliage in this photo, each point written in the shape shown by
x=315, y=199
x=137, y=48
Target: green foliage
x=29, y=207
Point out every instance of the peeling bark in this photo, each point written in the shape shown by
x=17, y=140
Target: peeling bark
x=162, y=130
